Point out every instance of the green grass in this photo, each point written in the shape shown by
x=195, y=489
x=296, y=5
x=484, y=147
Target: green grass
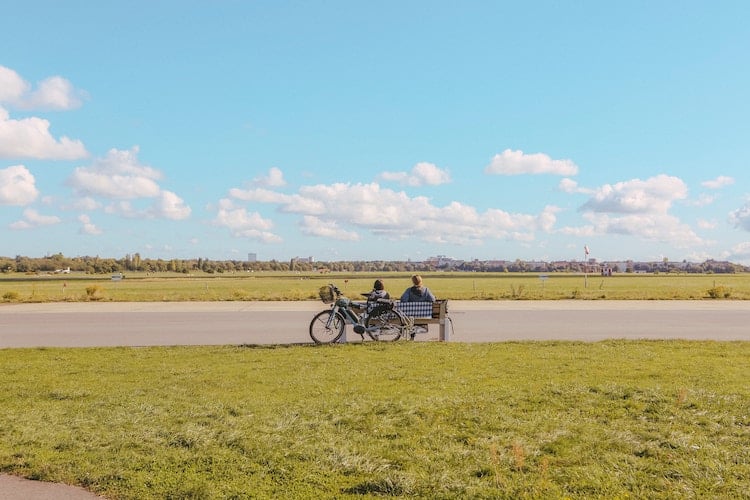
x=139, y=287
x=667, y=419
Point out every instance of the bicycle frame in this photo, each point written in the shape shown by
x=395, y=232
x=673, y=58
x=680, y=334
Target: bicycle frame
x=344, y=307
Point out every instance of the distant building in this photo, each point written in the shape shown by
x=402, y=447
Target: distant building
x=252, y=257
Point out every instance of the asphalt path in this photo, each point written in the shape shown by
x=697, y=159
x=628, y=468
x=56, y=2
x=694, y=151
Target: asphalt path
x=220, y=323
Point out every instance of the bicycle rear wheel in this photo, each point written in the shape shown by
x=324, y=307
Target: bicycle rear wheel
x=327, y=327
x=387, y=326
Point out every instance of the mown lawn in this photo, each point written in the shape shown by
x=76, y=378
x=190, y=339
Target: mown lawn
x=615, y=419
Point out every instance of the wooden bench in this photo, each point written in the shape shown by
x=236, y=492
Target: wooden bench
x=426, y=313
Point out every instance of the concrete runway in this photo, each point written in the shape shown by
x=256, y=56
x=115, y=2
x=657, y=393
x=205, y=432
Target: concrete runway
x=217, y=323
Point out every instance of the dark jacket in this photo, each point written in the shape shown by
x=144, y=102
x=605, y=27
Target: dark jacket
x=418, y=294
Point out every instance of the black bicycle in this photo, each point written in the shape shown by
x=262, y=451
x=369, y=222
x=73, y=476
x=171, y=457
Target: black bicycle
x=376, y=318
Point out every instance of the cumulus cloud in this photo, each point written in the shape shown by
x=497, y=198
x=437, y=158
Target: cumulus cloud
x=653, y=227
x=31, y=138
x=32, y=219
x=703, y=200
x=274, y=178
x=12, y=86
x=654, y=195
x=345, y=211
x=315, y=226
x=53, y=93
x=170, y=206
x=260, y=195
x=86, y=203
x=740, y=252
x=125, y=185
x=638, y=208
x=740, y=218
x=17, y=186
x=244, y=224
x=87, y=227
x=422, y=174
x=571, y=187
x=118, y=175
x=511, y=162
x=718, y=183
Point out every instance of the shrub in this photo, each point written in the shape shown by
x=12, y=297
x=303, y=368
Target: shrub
x=719, y=292
x=94, y=292
x=11, y=296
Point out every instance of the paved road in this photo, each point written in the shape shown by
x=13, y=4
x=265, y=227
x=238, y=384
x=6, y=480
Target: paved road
x=216, y=323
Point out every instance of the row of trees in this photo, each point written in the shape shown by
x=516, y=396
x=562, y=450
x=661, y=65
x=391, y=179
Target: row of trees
x=97, y=265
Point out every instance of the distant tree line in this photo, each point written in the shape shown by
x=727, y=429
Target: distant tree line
x=98, y=265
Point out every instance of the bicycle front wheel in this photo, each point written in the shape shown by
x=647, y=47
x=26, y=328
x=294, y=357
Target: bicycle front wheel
x=387, y=325
x=327, y=327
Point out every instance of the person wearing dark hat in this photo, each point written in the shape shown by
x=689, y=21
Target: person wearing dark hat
x=418, y=292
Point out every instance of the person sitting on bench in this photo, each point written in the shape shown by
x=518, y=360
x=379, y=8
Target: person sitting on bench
x=418, y=292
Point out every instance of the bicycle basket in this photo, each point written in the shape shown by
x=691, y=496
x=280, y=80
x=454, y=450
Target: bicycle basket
x=326, y=294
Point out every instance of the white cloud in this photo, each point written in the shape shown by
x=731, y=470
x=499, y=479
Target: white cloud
x=274, y=178
x=638, y=208
x=86, y=203
x=259, y=195
x=244, y=224
x=740, y=218
x=422, y=174
x=718, y=183
x=33, y=219
x=571, y=187
x=31, y=138
x=170, y=206
x=578, y=232
x=17, y=186
x=342, y=210
x=118, y=175
x=648, y=226
x=125, y=185
x=87, y=227
x=53, y=93
x=652, y=196
x=511, y=162
x=703, y=200
x=12, y=86
x=327, y=229
x=739, y=253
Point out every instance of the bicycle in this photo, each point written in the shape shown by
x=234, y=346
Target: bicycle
x=378, y=319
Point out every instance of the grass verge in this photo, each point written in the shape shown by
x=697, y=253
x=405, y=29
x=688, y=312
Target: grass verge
x=140, y=287
x=615, y=419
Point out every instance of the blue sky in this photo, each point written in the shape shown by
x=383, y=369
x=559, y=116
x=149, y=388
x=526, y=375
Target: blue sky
x=376, y=130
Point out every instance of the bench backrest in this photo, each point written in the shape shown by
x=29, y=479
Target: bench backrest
x=422, y=309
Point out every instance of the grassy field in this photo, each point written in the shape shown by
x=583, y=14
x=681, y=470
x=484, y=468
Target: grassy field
x=428, y=420
x=291, y=286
